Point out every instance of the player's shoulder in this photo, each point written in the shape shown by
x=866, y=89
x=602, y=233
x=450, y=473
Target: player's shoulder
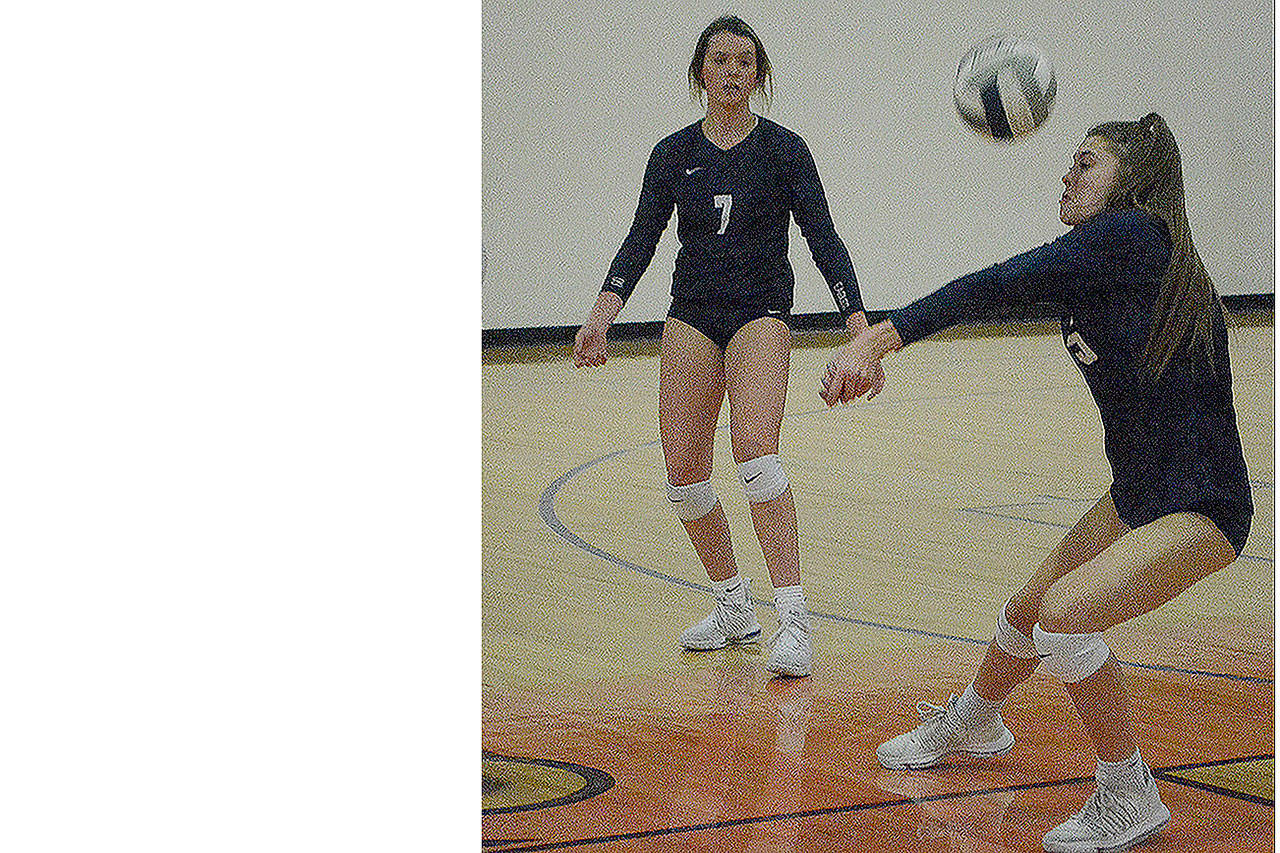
x=1130, y=223
x=679, y=141
x=783, y=143
x=784, y=137
x=1128, y=236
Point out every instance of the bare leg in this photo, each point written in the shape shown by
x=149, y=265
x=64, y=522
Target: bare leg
x=1000, y=673
x=757, y=363
x=1141, y=571
x=1102, y=703
x=690, y=393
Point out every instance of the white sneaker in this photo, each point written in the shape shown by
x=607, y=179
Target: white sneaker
x=1111, y=821
x=792, y=652
x=727, y=623
x=942, y=733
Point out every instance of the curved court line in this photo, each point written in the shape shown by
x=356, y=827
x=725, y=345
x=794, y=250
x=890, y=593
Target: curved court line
x=546, y=508
x=905, y=801
x=594, y=782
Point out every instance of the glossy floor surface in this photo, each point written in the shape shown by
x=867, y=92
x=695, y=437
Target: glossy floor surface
x=919, y=513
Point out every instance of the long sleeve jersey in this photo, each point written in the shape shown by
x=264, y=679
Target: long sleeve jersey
x=1174, y=440
x=735, y=210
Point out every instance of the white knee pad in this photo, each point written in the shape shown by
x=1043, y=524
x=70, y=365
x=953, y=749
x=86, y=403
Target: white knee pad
x=693, y=501
x=1071, y=657
x=1012, y=641
x=763, y=478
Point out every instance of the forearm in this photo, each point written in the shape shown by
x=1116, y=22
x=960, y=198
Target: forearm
x=606, y=309
x=882, y=339
x=856, y=323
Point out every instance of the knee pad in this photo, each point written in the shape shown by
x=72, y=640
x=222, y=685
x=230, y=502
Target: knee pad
x=693, y=501
x=1012, y=641
x=1070, y=657
x=763, y=478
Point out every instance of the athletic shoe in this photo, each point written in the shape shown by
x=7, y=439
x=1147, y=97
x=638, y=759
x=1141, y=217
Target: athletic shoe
x=1111, y=820
x=942, y=733
x=792, y=653
x=727, y=623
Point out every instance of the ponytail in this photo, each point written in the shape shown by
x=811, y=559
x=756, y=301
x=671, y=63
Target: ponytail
x=1150, y=179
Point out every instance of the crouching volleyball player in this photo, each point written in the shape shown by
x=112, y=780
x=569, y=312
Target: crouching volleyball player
x=1145, y=326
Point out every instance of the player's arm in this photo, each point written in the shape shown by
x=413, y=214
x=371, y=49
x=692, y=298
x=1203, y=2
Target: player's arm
x=830, y=255
x=653, y=212
x=657, y=201
x=1055, y=272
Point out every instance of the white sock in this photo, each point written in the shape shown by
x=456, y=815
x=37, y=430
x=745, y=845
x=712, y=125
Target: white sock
x=974, y=709
x=790, y=599
x=732, y=589
x=1127, y=776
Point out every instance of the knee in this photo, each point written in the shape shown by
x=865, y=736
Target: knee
x=763, y=478
x=1022, y=611
x=752, y=447
x=693, y=501
x=1063, y=611
x=1066, y=636
x=1071, y=657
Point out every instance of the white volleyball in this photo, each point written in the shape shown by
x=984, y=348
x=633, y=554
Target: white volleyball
x=1005, y=87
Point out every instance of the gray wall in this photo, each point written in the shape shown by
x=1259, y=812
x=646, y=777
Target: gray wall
x=576, y=94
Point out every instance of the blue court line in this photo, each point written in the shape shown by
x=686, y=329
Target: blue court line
x=546, y=508
x=1162, y=773
x=1016, y=517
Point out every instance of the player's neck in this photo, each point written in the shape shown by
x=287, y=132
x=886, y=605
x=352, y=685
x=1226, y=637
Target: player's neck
x=726, y=126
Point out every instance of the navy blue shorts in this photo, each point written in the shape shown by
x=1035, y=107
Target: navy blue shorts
x=1231, y=516
x=720, y=321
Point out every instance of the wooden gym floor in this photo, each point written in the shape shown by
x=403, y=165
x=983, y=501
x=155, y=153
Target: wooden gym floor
x=920, y=512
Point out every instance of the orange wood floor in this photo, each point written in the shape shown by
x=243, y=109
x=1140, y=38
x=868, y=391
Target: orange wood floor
x=599, y=735
x=721, y=758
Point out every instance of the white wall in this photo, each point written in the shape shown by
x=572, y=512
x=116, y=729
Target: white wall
x=576, y=94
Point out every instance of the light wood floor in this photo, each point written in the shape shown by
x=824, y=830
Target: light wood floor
x=919, y=512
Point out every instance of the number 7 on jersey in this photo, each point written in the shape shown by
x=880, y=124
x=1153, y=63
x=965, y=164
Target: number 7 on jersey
x=725, y=203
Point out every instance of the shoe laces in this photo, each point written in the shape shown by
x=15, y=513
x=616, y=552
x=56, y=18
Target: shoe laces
x=791, y=623
x=1107, y=811
x=724, y=607
x=939, y=723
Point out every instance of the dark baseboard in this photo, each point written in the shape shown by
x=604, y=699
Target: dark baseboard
x=823, y=321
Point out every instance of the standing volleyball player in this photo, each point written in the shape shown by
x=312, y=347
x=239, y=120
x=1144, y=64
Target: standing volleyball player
x=736, y=179
x=1145, y=326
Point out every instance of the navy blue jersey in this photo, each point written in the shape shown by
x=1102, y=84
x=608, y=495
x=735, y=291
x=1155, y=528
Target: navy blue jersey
x=1172, y=444
x=735, y=210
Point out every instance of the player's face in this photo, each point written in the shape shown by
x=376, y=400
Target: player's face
x=1089, y=182
x=729, y=69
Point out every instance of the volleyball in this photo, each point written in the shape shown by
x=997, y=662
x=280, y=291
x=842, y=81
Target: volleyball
x=1005, y=87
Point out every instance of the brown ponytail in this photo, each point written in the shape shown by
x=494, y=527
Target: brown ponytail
x=1150, y=179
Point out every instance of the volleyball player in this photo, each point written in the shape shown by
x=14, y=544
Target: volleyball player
x=1142, y=321
x=735, y=179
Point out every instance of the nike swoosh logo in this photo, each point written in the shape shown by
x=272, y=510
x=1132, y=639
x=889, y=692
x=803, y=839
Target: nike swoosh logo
x=752, y=477
x=691, y=171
